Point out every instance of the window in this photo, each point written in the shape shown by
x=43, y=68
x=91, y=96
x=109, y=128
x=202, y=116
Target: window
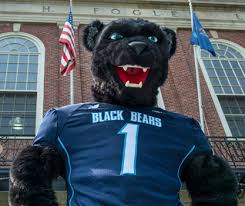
x=225, y=75
x=20, y=75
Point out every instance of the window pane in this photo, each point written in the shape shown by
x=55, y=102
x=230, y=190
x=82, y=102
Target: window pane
x=224, y=81
x=30, y=121
x=7, y=107
x=22, y=77
x=216, y=64
x=5, y=121
x=32, y=77
x=220, y=72
x=215, y=46
x=222, y=47
x=31, y=86
x=23, y=49
x=231, y=50
x=23, y=59
x=2, y=76
x=29, y=44
x=20, y=99
x=205, y=54
x=20, y=107
x=33, y=68
x=234, y=64
x=221, y=53
x=33, y=59
x=31, y=99
x=20, y=40
x=238, y=55
x=8, y=98
x=233, y=81
x=242, y=81
x=12, y=68
x=229, y=55
x=207, y=64
x=237, y=90
x=2, y=85
x=229, y=72
x=238, y=72
x=225, y=64
x=232, y=126
x=11, y=77
x=21, y=86
x=3, y=67
x=227, y=90
x=3, y=58
x=29, y=130
x=214, y=81
x=211, y=72
x=242, y=63
x=10, y=86
x=23, y=67
x=33, y=49
x=218, y=90
x=13, y=58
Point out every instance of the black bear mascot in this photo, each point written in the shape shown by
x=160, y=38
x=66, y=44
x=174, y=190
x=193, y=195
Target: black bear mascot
x=122, y=150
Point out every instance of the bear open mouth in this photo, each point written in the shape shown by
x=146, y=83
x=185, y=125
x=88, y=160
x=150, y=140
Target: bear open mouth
x=132, y=75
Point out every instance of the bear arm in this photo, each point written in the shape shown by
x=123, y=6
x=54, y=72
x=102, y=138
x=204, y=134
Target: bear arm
x=31, y=176
x=210, y=181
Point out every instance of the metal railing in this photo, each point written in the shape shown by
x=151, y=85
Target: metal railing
x=230, y=149
x=10, y=146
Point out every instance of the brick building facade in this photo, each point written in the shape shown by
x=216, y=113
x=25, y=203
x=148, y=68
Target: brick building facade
x=179, y=92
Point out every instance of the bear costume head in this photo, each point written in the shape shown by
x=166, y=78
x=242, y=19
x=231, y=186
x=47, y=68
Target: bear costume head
x=130, y=60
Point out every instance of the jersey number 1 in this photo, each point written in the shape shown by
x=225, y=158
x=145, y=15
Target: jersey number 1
x=129, y=149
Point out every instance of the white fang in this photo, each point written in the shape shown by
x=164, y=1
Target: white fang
x=125, y=67
x=128, y=84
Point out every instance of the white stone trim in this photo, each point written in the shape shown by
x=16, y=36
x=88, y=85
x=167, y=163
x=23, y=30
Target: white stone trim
x=210, y=87
x=160, y=102
x=16, y=27
x=40, y=75
x=170, y=15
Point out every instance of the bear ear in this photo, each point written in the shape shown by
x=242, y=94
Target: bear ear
x=171, y=37
x=90, y=34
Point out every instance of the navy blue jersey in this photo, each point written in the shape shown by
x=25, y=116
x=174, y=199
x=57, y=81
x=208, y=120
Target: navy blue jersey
x=120, y=156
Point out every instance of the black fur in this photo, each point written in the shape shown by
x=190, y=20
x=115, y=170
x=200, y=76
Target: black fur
x=108, y=53
x=31, y=177
x=210, y=182
x=90, y=34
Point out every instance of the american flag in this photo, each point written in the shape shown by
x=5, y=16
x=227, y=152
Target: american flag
x=67, y=37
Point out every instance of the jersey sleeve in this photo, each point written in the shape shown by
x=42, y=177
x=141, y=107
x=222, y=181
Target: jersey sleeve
x=200, y=146
x=48, y=129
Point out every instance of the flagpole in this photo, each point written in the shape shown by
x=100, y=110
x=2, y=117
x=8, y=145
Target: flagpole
x=197, y=75
x=71, y=76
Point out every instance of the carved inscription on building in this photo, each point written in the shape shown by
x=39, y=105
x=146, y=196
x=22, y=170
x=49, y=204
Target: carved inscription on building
x=134, y=12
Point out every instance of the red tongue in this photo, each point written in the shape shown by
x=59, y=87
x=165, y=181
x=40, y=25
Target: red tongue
x=133, y=75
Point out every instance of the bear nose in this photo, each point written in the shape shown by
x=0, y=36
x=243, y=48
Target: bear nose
x=137, y=46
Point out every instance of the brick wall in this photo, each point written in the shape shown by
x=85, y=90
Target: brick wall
x=179, y=91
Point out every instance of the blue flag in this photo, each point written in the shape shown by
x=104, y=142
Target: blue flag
x=199, y=36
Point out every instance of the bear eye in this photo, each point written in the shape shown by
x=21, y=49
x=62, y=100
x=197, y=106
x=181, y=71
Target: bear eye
x=116, y=36
x=153, y=39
